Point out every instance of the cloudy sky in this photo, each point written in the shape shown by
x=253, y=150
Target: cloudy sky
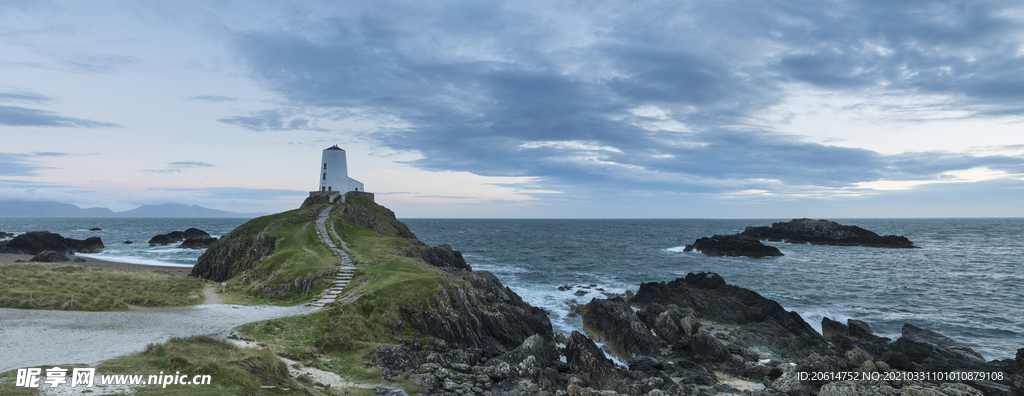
x=719, y=108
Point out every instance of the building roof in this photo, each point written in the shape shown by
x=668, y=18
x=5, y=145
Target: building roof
x=334, y=147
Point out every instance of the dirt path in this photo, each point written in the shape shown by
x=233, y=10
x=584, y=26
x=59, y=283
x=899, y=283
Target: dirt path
x=37, y=338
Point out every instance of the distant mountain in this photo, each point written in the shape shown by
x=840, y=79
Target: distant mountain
x=49, y=209
x=55, y=209
x=178, y=210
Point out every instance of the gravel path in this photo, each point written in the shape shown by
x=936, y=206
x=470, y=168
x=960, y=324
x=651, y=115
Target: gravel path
x=37, y=338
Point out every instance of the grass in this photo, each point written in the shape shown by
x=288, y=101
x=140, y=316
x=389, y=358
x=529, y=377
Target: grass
x=79, y=288
x=233, y=370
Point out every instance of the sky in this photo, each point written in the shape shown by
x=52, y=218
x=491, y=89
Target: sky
x=521, y=109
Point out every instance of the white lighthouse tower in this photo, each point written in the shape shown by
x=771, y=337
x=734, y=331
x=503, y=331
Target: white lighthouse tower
x=334, y=172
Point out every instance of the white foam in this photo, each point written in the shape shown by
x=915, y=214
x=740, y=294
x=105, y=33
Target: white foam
x=677, y=249
x=133, y=260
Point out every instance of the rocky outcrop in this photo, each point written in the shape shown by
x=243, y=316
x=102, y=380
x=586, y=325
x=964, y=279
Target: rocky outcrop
x=178, y=236
x=613, y=323
x=49, y=256
x=587, y=361
x=198, y=243
x=36, y=242
x=477, y=311
x=441, y=256
x=233, y=254
x=824, y=232
x=712, y=299
x=6, y=235
x=733, y=245
x=380, y=219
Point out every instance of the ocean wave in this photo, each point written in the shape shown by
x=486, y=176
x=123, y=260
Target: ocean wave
x=133, y=260
x=677, y=249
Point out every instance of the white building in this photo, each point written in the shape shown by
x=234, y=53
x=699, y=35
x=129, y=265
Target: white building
x=334, y=172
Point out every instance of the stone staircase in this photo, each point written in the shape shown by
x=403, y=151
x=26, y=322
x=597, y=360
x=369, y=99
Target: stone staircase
x=345, y=267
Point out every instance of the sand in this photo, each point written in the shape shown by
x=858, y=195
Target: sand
x=41, y=338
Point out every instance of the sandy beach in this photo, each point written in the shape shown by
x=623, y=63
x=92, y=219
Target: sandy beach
x=8, y=258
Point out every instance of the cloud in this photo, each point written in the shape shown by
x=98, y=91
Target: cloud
x=500, y=90
x=22, y=164
x=190, y=164
x=21, y=116
x=271, y=120
x=175, y=167
x=212, y=98
x=24, y=97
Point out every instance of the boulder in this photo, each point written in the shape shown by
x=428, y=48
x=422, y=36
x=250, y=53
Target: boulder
x=829, y=328
x=128, y=242
x=89, y=245
x=95, y=229
x=825, y=232
x=920, y=344
x=49, y=256
x=858, y=328
x=198, y=243
x=733, y=245
x=178, y=236
x=6, y=235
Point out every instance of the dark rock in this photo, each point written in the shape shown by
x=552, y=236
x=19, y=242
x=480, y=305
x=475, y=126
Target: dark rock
x=710, y=348
x=676, y=324
x=178, y=236
x=36, y=242
x=95, y=229
x=198, y=243
x=859, y=328
x=830, y=328
x=441, y=256
x=765, y=321
x=6, y=235
x=587, y=361
x=614, y=324
x=89, y=245
x=49, y=256
x=128, y=242
x=239, y=251
x=734, y=245
x=920, y=344
x=79, y=260
x=542, y=349
x=824, y=232
x=479, y=312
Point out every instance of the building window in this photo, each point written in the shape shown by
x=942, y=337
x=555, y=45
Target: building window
x=323, y=188
x=325, y=176
x=325, y=166
x=328, y=188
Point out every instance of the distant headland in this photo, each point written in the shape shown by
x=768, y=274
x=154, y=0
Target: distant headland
x=56, y=209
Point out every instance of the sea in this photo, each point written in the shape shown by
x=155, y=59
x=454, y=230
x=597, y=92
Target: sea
x=966, y=279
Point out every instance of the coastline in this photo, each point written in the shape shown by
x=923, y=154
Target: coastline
x=9, y=258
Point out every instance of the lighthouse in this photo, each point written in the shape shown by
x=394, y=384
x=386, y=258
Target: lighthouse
x=334, y=172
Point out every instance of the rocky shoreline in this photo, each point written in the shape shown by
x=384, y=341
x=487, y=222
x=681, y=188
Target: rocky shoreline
x=695, y=335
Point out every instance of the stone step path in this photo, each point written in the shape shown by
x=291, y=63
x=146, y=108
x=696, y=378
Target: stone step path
x=345, y=267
